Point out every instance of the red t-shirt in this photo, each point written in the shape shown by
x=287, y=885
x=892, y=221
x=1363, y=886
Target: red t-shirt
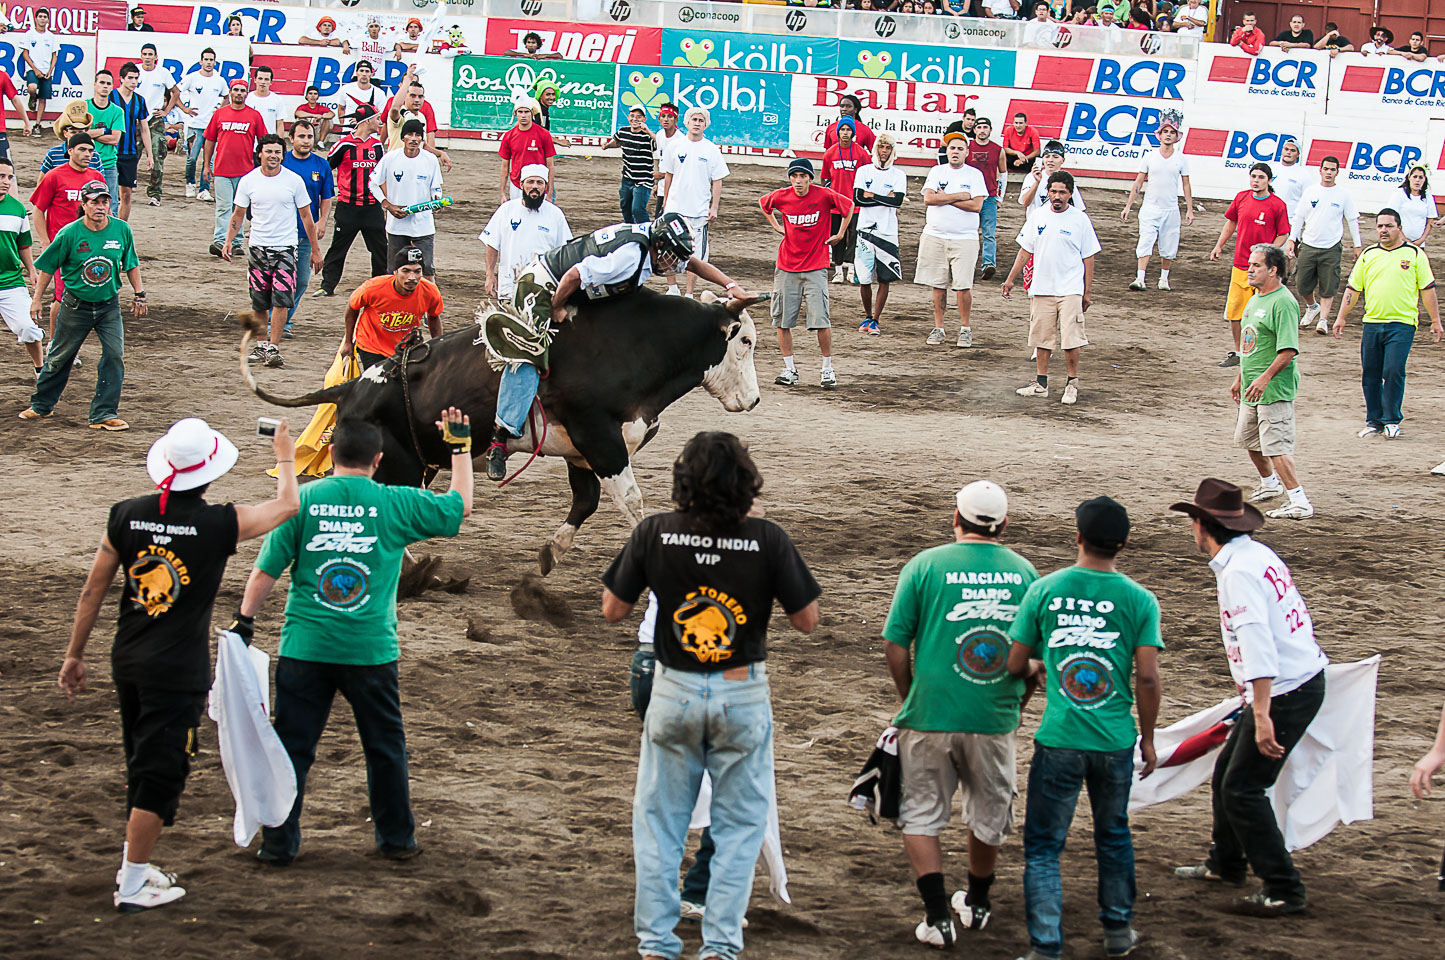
x=57, y=195
x=861, y=135
x=807, y=220
x=841, y=165
x=983, y=157
x=1025, y=143
x=1257, y=221
x=235, y=133
x=521, y=148
x=7, y=90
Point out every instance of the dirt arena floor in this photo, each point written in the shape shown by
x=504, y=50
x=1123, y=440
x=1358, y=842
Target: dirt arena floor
x=523, y=745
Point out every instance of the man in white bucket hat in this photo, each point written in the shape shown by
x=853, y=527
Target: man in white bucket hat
x=173, y=546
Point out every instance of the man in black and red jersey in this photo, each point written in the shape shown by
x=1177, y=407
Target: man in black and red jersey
x=357, y=211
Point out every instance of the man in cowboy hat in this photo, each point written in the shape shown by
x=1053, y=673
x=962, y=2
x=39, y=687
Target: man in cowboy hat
x=1279, y=669
x=174, y=547
x=72, y=120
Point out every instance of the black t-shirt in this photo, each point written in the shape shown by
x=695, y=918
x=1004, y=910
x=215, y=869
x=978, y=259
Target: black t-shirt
x=1304, y=36
x=714, y=593
x=173, y=566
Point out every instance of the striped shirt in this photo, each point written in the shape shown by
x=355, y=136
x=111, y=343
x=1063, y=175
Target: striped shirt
x=137, y=123
x=353, y=160
x=637, y=151
x=57, y=156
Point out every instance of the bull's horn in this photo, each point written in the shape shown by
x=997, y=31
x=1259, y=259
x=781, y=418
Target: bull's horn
x=249, y=328
x=736, y=307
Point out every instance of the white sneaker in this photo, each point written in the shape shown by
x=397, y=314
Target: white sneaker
x=148, y=897
x=1136, y=284
x=155, y=878
x=935, y=337
x=1323, y=327
x=1369, y=430
x=965, y=336
x=1262, y=492
x=830, y=379
x=1071, y=391
x=939, y=935
x=205, y=195
x=1163, y=284
x=1439, y=471
x=788, y=378
x=190, y=191
x=1292, y=511
x=1392, y=431
x=153, y=201
x=672, y=291
x=692, y=912
x=969, y=916
x=1034, y=389
x=1311, y=314
x=838, y=275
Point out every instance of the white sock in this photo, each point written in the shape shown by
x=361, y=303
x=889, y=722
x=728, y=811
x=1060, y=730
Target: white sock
x=827, y=363
x=788, y=363
x=1270, y=481
x=1139, y=275
x=1163, y=274
x=1297, y=496
x=132, y=877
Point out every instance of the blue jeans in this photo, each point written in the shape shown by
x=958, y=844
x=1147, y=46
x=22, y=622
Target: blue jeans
x=988, y=229
x=1055, y=777
x=1384, y=348
x=515, y=394
x=304, y=691
x=225, y=191
x=193, y=155
x=112, y=183
x=634, y=201
x=303, y=274
x=77, y=318
x=697, y=722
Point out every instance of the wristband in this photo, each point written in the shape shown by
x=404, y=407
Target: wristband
x=731, y=284
x=458, y=435
x=141, y=295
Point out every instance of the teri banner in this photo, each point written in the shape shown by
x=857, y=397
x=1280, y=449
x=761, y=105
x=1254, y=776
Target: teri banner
x=710, y=49
x=1298, y=77
x=1377, y=86
x=484, y=90
x=747, y=109
x=593, y=42
x=981, y=67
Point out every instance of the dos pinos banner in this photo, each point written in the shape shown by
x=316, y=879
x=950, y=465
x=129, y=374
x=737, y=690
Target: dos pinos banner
x=485, y=90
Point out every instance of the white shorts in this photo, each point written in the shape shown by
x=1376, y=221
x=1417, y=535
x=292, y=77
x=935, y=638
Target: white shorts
x=1162, y=224
x=698, y=226
x=15, y=309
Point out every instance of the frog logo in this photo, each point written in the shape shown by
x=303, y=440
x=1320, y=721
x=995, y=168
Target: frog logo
x=647, y=91
x=342, y=584
x=706, y=625
x=874, y=66
x=97, y=271
x=983, y=654
x=1086, y=681
x=156, y=583
x=695, y=53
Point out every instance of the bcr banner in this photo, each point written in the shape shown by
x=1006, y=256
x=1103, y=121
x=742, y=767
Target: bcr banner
x=1164, y=79
x=593, y=42
x=1294, y=77
x=74, y=73
x=484, y=90
x=180, y=54
x=747, y=109
x=1380, y=86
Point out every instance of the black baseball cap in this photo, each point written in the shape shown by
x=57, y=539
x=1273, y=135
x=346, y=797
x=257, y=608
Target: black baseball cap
x=364, y=111
x=93, y=189
x=1103, y=522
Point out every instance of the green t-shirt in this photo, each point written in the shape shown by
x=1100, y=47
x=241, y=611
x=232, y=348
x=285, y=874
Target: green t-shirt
x=1271, y=324
x=954, y=606
x=344, y=551
x=1085, y=624
x=14, y=234
x=112, y=117
x=91, y=262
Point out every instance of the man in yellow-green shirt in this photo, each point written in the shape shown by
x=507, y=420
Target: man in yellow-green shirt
x=1393, y=276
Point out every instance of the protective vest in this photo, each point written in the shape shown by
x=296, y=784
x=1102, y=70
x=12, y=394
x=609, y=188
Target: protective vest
x=600, y=243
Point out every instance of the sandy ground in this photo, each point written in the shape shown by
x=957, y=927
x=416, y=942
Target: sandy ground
x=523, y=745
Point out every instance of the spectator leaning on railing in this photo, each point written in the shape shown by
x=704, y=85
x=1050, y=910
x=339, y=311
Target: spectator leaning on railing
x=1334, y=41
x=1248, y=37
x=1297, y=36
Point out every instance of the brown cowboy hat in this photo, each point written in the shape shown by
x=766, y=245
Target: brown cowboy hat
x=74, y=115
x=1223, y=503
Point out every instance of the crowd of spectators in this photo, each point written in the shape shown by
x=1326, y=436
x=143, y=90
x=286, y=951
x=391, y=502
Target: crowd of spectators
x=1187, y=16
x=1296, y=36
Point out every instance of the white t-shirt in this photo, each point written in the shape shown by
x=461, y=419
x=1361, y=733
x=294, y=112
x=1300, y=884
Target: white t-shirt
x=1041, y=196
x=664, y=143
x=694, y=165
x=40, y=46
x=1373, y=47
x=1266, y=628
x=377, y=51
x=1001, y=8
x=1290, y=182
x=1164, y=187
x=1060, y=242
x=519, y=235
x=1414, y=211
x=154, y=85
x=1191, y=21
x=275, y=203
x=884, y=183
x=270, y=110
x=948, y=222
x=202, y=94
x=404, y=181
x=1323, y=211
x=621, y=264
x=352, y=96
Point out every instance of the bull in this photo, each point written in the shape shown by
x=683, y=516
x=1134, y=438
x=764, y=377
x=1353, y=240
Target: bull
x=614, y=368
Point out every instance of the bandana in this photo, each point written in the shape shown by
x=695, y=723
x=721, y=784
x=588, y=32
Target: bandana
x=165, y=485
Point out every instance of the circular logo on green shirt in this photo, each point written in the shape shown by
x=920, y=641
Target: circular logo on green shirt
x=342, y=584
x=97, y=271
x=1086, y=681
x=983, y=654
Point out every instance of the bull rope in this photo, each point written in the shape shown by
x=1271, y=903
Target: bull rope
x=406, y=398
x=532, y=423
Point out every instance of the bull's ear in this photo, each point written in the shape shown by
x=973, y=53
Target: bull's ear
x=708, y=296
x=733, y=329
x=736, y=307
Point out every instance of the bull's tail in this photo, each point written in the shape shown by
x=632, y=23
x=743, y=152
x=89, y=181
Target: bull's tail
x=325, y=395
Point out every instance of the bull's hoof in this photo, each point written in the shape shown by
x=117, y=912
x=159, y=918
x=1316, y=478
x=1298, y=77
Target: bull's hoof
x=546, y=559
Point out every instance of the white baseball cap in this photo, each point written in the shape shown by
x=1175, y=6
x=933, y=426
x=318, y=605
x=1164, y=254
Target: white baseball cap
x=190, y=455
x=983, y=504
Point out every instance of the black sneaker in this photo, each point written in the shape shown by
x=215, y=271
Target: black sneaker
x=1231, y=359
x=497, y=461
x=1263, y=905
x=1120, y=943
x=257, y=354
x=399, y=853
x=215, y=249
x=988, y=271
x=273, y=357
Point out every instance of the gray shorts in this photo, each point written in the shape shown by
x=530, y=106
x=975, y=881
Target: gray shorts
x=935, y=764
x=791, y=289
x=1266, y=428
x=395, y=241
x=1319, y=268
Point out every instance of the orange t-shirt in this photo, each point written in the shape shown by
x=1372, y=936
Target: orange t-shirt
x=387, y=317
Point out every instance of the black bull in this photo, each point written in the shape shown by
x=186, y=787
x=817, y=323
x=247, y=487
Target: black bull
x=615, y=366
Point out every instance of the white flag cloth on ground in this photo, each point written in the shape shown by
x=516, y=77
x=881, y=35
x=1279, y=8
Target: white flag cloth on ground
x=1328, y=778
x=260, y=773
x=772, y=839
